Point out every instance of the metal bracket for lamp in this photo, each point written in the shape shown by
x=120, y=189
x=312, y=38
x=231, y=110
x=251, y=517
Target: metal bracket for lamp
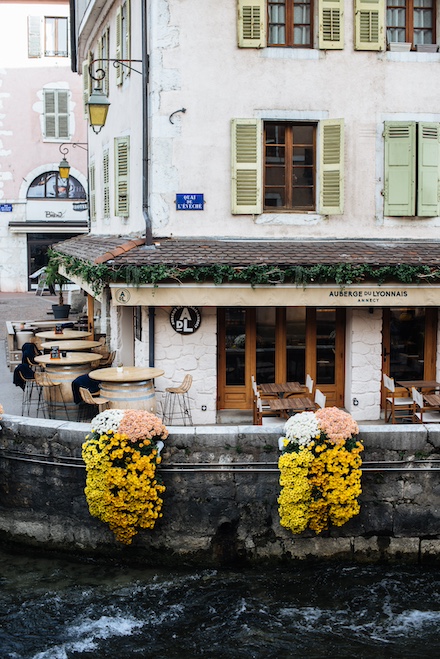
x=183, y=110
x=64, y=166
x=116, y=63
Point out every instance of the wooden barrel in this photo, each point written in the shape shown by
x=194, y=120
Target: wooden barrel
x=130, y=395
x=65, y=375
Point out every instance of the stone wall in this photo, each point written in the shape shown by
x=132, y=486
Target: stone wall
x=220, y=506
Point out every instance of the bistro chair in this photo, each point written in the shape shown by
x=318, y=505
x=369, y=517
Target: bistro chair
x=28, y=390
x=424, y=413
x=396, y=401
x=50, y=395
x=177, y=405
x=107, y=361
x=92, y=403
x=264, y=415
x=320, y=399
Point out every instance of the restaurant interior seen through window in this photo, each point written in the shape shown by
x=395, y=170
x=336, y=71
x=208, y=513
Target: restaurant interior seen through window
x=50, y=185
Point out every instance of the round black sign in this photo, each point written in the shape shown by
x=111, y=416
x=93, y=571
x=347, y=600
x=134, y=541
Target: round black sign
x=185, y=320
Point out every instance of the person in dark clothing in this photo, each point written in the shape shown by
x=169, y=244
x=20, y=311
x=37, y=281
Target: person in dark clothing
x=86, y=382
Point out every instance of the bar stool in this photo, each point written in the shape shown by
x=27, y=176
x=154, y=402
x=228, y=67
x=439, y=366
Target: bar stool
x=177, y=406
x=93, y=403
x=28, y=391
x=49, y=394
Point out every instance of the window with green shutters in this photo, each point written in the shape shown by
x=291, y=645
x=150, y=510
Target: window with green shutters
x=279, y=166
x=106, y=183
x=289, y=23
x=56, y=114
x=123, y=40
x=92, y=192
x=122, y=176
x=412, y=169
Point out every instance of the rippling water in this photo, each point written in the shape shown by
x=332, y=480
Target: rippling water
x=57, y=609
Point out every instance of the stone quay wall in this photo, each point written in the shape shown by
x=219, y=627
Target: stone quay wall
x=220, y=505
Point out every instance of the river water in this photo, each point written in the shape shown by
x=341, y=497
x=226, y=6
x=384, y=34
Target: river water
x=54, y=608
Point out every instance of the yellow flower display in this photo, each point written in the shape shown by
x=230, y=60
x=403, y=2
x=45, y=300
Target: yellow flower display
x=121, y=456
x=320, y=470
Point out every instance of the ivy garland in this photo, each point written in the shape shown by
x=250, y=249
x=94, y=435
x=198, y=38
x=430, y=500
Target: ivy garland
x=342, y=274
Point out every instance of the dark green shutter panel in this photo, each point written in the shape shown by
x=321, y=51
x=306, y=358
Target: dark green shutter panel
x=400, y=163
x=428, y=169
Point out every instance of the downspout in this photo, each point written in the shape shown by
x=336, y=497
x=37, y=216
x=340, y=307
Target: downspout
x=145, y=157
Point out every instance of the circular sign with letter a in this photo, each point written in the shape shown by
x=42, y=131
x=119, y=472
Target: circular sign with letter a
x=185, y=320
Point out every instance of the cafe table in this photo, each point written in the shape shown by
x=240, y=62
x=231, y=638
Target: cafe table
x=71, y=345
x=420, y=385
x=128, y=387
x=281, y=388
x=64, y=370
x=294, y=404
x=65, y=335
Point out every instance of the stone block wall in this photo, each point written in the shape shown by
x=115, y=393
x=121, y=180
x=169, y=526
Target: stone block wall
x=220, y=505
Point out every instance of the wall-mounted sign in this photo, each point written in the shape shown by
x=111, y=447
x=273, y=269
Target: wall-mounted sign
x=185, y=320
x=5, y=208
x=80, y=205
x=123, y=295
x=189, y=202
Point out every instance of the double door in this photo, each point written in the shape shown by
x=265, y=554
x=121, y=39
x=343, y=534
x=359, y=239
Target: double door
x=277, y=345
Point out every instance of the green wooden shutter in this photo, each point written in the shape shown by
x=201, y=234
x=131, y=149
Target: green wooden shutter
x=369, y=25
x=331, y=167
x=85, y=88
x=400, y=168
x=127, y=54
x=118, y=46
x=247, y=147
x=122, y=166
x=331, y=24
x=92, y=192
x=251, y=26
x=34, y=36
x=63, y=114
x=428, y=169
x=106, y=181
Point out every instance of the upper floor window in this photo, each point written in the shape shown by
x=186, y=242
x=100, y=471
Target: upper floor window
x=287, y=166
x=48, y=36
x=290, y=23
x=411, y=21
x=50, y=185
x=55, y=37
x=56, y=114
x=123, y=40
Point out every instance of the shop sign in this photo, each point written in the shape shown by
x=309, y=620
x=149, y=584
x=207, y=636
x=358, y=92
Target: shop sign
x=369, y=296
x=5, y=208
x=189, y=202
x=185, y=320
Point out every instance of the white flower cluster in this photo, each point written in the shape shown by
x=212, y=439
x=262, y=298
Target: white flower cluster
x=107, y=420
x=302, y=428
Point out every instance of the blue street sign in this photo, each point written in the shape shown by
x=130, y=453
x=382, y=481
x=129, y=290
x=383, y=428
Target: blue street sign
x=5, y=208
x=189, y=202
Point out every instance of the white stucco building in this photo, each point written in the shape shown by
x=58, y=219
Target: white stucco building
x=41, y=110
x=273, y=164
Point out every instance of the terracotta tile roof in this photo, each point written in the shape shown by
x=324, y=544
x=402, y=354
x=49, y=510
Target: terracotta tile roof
x=126, y=250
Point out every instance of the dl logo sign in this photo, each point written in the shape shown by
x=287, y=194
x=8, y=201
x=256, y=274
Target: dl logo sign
x=185, y=320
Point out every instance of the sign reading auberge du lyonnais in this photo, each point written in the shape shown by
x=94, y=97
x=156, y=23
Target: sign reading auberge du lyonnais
x=185, y=320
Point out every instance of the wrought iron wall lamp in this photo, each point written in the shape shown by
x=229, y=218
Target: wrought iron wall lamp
x=64, y=166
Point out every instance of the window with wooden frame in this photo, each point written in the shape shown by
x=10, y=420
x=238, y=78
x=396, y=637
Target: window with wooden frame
x=280, y=165
x=412, y=169
x=55, y=37
x=411, y=21
x=289, y=23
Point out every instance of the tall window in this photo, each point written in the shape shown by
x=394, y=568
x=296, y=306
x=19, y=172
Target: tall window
x=55, y=37
x=411, y=21
x=56, y=114
x=289, y=165
x=50, y=185
x=290, y=22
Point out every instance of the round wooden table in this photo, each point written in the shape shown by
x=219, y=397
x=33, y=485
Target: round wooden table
x=71, y=345
x=65, y=370
x=65, y=336
x=129, y=388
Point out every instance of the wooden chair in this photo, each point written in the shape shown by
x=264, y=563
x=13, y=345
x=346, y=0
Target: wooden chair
x=107, y=361
x=50, y=395
x=93, y=402
x=265, y=414
x=177, y=405
x=423, y=413
x=396, y=401
x=320, y=399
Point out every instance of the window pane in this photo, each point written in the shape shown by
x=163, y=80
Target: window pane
x=235, y=338
x=76, y=190
x=274, y=197
x=275, y=176
x=275, y=134
x=407, y=337
x=275, y=154
x=301, y=36
x=325, y=346
x=265, y=327
x=296, y=344
x=277, y=22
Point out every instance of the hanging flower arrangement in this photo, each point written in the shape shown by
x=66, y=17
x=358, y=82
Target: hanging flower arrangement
x=320, y=467
x=121, y=456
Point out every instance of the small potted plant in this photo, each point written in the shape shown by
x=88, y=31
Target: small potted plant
x=55, y=278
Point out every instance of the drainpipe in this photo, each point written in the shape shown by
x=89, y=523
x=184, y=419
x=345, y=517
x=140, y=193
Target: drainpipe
x=151, y=325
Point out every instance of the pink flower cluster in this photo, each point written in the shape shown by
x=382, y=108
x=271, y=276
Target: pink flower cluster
x=337, y=424
x=139, y=425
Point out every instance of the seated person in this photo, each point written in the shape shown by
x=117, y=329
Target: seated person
x=86, y=382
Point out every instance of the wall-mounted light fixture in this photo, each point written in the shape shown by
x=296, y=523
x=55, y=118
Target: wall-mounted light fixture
x=64, y=166
x=98, y=103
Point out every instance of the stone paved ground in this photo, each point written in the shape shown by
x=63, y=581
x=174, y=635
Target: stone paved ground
x=18, y=306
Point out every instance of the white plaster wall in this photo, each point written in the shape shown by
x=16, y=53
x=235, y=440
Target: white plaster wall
x=179, y=354
x=364, y=363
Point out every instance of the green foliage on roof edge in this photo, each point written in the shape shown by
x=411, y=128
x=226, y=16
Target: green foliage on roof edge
x=342, y=274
